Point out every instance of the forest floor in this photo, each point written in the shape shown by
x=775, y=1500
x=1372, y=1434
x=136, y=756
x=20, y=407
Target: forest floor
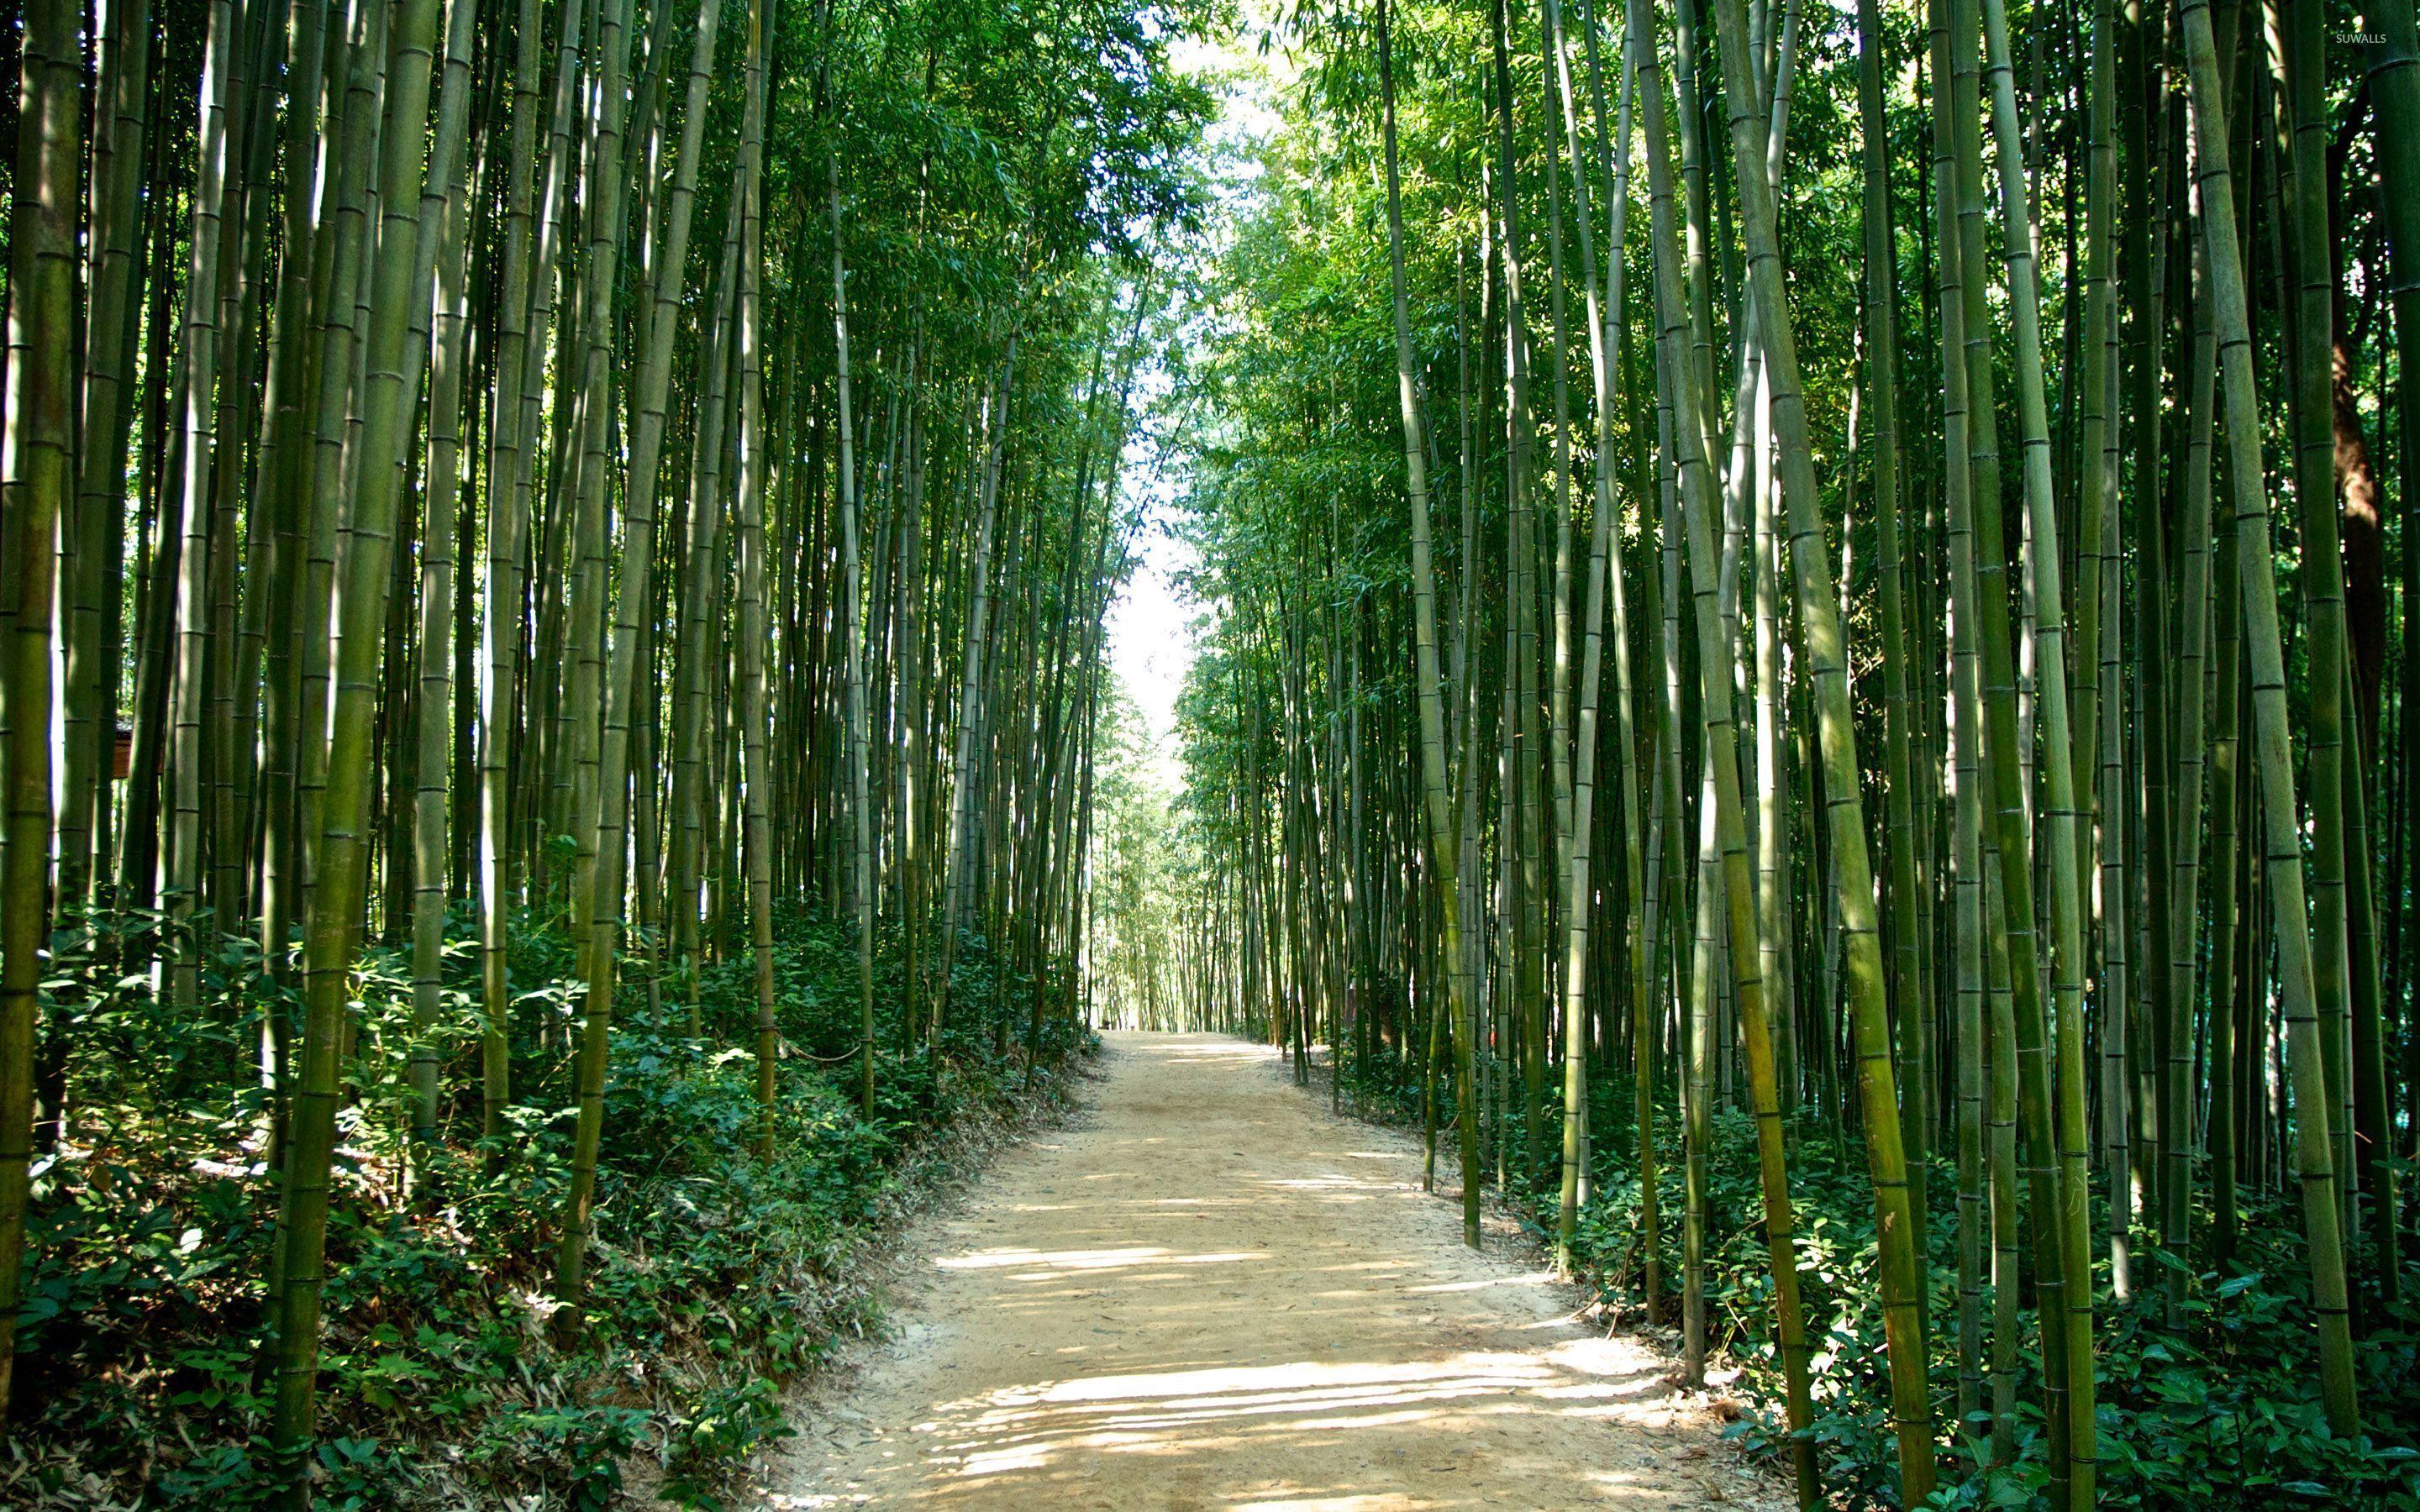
x=1206, y=1292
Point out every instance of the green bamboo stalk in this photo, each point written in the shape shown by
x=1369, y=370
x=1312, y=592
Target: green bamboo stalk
x=1442, y=840
x=507, y=524
x=2060, y=802
x=2281, y=826
x=340, y=888
x=339, y=306
x=2394, y=83
x=2117, y=933
x=38, y=472
x=1641, y=879
x=1581, y=831
x=2099, y=703
x=2372, y=1121
x=701, y=590
x=2096, y=474
x=1523, y=748
x=119, y=97
x=1729, y=833
x=626, y=685
x=314, y=101
x=1818, y=613
x=1697, y=1083
x=1561, y=500
x=2192, y=535
x=444, y=230
x=2096, y=600
x=604, y=210
x=853, y=626
x=198, y=428
x=1983, y=1136
x=2227, y=899
x=2312, y=264
x=603, y=207
x=1908, y=993
x=755, y=716
x=2020, y=1054
x=543, y=346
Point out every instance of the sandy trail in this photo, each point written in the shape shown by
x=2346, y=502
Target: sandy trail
x=1213, y=1294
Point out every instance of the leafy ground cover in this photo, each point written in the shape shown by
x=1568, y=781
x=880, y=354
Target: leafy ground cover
x=448, y=1377
x=2220, y=1409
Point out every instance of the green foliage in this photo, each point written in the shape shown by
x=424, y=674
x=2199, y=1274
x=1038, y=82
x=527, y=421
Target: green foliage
x=1386, y=1087
x=2223, y=1411
x=715, y=1276
x=1142, y=866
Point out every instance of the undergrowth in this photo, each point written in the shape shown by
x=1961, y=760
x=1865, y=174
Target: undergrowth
x=2218, y=1410
x=446, y=1380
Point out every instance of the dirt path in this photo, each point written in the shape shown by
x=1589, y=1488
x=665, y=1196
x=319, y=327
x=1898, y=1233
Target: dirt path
x=1213, y=1294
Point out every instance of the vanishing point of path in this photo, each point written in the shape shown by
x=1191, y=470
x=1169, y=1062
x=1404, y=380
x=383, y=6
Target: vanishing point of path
x=1209, y=1293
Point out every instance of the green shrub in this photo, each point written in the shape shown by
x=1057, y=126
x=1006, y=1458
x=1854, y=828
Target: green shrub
x=2220, y=1412
x=714, y=1275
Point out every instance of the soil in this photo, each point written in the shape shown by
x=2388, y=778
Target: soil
x=1208, y=1292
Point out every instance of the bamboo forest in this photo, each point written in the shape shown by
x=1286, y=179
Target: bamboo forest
x=1360, y=754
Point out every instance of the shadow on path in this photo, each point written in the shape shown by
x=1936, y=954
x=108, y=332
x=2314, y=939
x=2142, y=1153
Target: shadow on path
x=1215, y=1295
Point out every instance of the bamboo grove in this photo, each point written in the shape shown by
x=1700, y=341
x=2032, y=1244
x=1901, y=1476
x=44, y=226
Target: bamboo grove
x=1809, y=651
x=607, y=473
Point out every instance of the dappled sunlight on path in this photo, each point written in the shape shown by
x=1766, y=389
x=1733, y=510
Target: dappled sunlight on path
x=1213, y=1294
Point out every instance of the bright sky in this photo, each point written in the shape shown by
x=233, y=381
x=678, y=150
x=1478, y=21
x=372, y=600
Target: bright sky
x=1151, y=625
